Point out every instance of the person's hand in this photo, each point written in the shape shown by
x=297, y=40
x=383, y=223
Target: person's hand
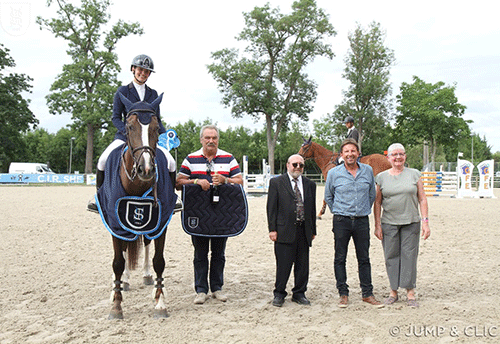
x=378, y=232
x=273, y=235
x=218, y=179
x=426, y=230
x=204, y=183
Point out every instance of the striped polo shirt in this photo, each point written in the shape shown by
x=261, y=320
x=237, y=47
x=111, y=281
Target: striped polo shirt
x=196, y=165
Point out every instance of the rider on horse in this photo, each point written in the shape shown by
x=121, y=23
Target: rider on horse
x=142, y=66
x=352, y=133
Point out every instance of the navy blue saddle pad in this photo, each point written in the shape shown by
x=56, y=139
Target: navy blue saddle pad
x=126, y=217
x=226, y=218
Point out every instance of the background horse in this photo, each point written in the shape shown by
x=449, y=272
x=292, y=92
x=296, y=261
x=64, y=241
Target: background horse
x=325, y=159
x=138, y=174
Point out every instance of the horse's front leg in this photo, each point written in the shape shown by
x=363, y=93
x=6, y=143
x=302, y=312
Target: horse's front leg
x=160, y=310
x=126, y=273
x=147, y=277
x=118, y=267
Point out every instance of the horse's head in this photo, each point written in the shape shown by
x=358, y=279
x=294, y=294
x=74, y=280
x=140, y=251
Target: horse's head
x=142, y=135
x=305, y=150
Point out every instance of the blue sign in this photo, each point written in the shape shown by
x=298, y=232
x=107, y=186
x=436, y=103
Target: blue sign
x=42, y=178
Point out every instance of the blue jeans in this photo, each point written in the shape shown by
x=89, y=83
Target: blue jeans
x=359, y=229
x=201, y=266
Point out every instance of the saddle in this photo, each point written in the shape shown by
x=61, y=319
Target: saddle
x=226, y=218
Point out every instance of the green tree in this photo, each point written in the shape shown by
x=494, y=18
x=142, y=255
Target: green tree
x=430, y=113
x=474, y=148
x=85, y=88
x=271, y=81
x=368, y=63
x=37, y=144
x=15, y=116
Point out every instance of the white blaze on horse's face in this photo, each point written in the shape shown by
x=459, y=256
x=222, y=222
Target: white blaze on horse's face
x=145, y=142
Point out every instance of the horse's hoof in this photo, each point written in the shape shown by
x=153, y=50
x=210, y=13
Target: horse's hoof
x=113, y=315
x=160, y=314
x=148, y=280
x=126, y=286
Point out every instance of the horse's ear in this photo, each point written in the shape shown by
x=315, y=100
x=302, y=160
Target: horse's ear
x=156, y=103
x=128, y=104
x=309, y=141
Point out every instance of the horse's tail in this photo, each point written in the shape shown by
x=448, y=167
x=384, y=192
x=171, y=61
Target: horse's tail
x=133, y=249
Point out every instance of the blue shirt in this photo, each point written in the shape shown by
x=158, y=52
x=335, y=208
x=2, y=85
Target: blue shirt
x=348, y=195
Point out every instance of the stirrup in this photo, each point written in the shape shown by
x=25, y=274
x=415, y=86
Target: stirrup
x=91, y=206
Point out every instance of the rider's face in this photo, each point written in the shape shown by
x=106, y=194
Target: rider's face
x=141, y=75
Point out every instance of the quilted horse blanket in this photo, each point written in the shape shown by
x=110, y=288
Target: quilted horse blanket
x=126, y=217
x=226, y=218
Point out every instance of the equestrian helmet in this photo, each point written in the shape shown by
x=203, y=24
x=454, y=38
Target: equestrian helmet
x=349, y=119
x=143, y=61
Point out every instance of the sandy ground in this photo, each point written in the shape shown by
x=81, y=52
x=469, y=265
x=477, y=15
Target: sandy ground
x=55, y=281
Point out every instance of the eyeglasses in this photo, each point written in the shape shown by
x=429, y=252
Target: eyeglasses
x=397, y=154
x=295, y=164
x=210, y=166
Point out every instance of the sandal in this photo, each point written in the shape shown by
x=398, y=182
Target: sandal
x=412, y=303
x=390, y=300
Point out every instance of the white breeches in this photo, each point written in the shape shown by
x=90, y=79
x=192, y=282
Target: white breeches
x=101, y=164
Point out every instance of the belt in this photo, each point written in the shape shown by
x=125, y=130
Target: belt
x=350, y=217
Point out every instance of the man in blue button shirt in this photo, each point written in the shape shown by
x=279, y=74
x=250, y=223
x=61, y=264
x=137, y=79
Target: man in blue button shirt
x=350, y=193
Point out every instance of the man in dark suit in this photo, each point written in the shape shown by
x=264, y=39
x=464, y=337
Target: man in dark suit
x=291, y=217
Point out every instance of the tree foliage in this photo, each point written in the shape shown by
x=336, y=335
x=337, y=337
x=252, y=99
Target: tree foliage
x=368, y=63
x=269, y=81
x=85, y=88
x=431, y=113
x=15, y=116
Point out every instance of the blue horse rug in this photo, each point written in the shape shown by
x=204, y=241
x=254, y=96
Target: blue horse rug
x=126, y=217
x=226, y=218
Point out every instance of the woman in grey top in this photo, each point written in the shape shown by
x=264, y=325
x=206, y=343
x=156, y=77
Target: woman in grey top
x=400, y=192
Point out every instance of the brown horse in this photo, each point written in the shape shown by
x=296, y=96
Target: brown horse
x=325, y=159
x=138, y=174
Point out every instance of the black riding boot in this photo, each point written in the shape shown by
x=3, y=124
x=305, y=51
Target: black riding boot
x=99, y=179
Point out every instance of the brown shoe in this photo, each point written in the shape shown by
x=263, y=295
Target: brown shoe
x=344, y=300
x=372, y=301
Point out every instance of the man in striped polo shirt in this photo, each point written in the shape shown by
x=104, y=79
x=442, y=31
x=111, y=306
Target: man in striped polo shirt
x=209, y=165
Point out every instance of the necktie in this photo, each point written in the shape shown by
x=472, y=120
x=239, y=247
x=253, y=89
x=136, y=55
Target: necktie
x=298, y=201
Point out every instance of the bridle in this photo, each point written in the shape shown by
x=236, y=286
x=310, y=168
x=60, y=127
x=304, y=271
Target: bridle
x=306, y=146
x=143, y=150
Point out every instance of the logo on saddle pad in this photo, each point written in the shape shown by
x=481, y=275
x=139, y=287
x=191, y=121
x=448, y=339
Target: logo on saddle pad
x=193, y=222
x=138, y=215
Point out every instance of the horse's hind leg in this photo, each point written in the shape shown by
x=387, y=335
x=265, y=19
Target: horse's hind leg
x=160, y=310
x=147, y=277
x=118, y=267
x=322, y=211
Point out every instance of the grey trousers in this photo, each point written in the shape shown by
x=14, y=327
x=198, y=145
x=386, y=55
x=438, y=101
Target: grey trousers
x=400, y=244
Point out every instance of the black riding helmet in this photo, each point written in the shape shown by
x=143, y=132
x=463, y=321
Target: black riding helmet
x=143, y=61
x=349, y=119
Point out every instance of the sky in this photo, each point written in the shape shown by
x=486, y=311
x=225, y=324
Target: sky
x=453, y=42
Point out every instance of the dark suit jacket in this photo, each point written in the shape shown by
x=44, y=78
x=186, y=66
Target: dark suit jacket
x=281, y=208
x=119, y=112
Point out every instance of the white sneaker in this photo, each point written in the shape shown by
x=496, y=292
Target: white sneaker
x=219, y=296
x=200, y=298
